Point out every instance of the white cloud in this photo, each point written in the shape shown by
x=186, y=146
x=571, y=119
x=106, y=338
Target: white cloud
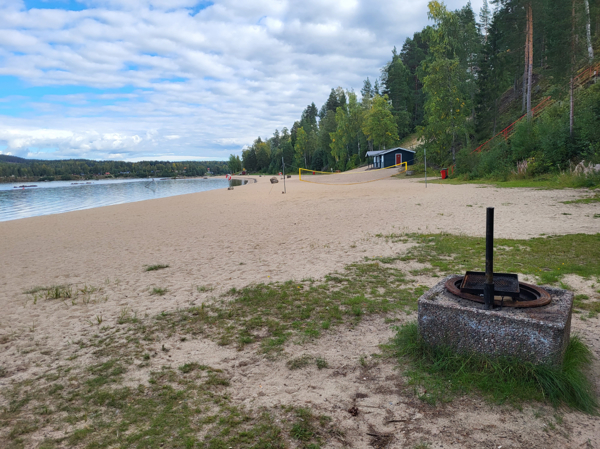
x=198, y=85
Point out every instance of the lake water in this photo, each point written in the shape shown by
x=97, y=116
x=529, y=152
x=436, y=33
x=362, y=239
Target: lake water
x=56, y=197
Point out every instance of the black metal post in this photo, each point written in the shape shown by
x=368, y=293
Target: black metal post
x=488, y=287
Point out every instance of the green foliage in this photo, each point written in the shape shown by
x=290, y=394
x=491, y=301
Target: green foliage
x=379, y=124
x=159, y=291
x=234, y=164
x=447, y=82
x=548, y=258
x=442, y=372
x=156, y=267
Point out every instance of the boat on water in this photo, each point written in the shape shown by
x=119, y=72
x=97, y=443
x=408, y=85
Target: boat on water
x=23, y=187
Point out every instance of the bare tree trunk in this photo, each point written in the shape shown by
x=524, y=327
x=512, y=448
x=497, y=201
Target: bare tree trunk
x=588, y=31
x=572, y=86
x=526, y=52
x=453, y=149
x=530, y=56
x=572, y=107
x=495, y=114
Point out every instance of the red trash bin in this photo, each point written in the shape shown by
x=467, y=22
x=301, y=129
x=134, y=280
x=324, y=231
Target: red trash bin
x=444, y=173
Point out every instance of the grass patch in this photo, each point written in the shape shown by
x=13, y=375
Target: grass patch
x=547, y=181
x=548, y=258
x=593, y=199
x=156, y=267
x=441, y=372
x=593, y=307
x=159, y=291
x=305, y=361
x=274, y=314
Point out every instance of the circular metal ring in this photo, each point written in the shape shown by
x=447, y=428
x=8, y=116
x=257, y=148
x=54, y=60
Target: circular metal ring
x=531, y=295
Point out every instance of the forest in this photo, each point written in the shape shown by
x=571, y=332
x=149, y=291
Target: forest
x=453, y=86
x=12, y=168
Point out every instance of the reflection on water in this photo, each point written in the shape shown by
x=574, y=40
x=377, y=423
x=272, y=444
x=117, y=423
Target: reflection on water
x=65, y=196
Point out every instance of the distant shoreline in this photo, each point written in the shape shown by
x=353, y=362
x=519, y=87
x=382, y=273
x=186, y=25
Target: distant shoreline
x=95, y=178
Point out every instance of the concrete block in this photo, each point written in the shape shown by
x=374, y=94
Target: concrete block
x=539, y=335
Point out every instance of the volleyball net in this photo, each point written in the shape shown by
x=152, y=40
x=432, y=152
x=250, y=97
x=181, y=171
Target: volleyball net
x=356, y=176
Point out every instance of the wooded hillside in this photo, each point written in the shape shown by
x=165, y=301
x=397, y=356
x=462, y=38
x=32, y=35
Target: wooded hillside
x=456, y=84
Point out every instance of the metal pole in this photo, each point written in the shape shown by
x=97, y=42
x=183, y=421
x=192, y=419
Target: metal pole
x=425, y=151
x=488, y=287
x=283, y=165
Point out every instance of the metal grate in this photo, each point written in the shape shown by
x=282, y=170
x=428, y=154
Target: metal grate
x=505, y=284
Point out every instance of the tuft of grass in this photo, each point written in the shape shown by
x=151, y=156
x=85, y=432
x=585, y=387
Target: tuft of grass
x=58, y=292
x=36, y=289
x=305, y=361
x=155, y=267
x=204, y=288
x=159, y=291
x=439, y=372
x=299, y=362
x=321, y=363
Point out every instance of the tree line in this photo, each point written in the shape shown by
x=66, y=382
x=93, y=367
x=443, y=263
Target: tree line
x=18, y=168
x=455, y=84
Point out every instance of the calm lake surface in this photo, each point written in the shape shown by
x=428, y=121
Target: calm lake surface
x=56, y=197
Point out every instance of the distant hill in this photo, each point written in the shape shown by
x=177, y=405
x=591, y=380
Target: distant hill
x=13, y=159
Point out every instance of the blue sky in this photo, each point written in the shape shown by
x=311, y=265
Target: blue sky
x=181, y=79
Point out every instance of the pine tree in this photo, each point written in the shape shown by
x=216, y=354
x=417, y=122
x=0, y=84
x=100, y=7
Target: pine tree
x=396, y=85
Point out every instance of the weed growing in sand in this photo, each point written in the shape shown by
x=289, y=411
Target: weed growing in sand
x=159, y=291
x=548, y=258
x=64, y=292
x=422, y=445
x=155, y=267
x=126, y=315
x=204, y=289
x=437, y=373
x=321, y=363
x=310, y=429
x=299, y=362
x=305, y=361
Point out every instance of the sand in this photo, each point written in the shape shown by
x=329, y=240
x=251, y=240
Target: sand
x=254, y=233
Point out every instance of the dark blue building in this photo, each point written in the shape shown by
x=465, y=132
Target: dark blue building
x=393, y=156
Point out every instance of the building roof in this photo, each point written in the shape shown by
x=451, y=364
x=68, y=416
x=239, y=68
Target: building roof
x=380, y=152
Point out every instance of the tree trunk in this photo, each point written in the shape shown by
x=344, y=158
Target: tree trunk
x=572, y=86
x=530, y=61
x=495, y=114
x=588, y=31
x=526, y=52
x=572, y=107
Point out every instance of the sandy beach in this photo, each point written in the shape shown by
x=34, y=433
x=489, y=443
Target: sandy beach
x=255, y=234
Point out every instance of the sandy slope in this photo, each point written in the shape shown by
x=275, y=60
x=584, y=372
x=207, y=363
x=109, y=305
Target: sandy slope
x=254, y=233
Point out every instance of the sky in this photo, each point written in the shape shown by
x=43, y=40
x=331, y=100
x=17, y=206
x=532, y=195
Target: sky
x=182, y=79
